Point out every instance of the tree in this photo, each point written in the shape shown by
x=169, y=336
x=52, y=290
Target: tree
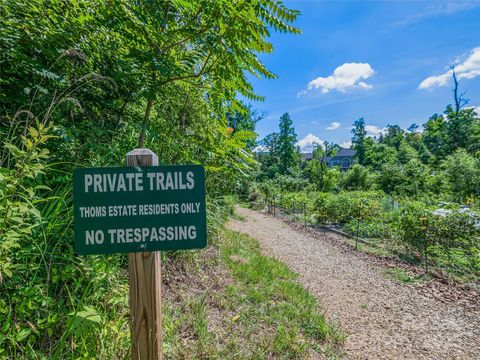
x=331, y=148
x=269, y=157
x=319, y=152
x=356, y=178
x=378, y=154
x=435, y=136
x=331, y=179
x=415, y=176
x=408, y=179
x=462, y=128
x=460, y=101
x=358, y=139
x=406, y=152
x=315, y=172
x=394, y=136
x=390, y=177
x=287, y=138
x=463, y=174
x=211, y=44
x=242, y=122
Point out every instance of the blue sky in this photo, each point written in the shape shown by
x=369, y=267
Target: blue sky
x=386, y=61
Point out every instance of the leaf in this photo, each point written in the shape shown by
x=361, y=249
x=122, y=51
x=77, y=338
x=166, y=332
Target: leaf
x=87, y=314
x=22, y=335
x=42, y=187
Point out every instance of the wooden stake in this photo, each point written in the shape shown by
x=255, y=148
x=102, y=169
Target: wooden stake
x=145, y=286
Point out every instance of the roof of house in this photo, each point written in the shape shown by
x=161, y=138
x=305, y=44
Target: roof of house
x=341, y=154
x=345, y=152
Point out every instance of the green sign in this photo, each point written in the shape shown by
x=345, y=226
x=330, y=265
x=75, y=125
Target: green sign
x=134, y=209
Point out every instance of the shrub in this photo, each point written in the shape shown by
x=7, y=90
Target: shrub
x=413, y=223
x=345, y=206
x=455, y=242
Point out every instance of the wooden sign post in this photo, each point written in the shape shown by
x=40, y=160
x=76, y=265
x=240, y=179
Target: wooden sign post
x=140, y=209
x=145, y=282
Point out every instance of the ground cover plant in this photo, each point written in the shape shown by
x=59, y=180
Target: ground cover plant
x=244, y=305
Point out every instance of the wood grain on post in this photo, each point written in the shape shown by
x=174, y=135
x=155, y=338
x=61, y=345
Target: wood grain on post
x=145, y=286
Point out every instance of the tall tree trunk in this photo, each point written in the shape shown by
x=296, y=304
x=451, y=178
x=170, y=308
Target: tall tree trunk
x=146, y=119
x=455, y=91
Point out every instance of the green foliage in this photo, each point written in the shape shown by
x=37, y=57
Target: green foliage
x=243, y=122
x=286, y=145
x=315, y=172
x=443, y=134
x=356, y=178
x=463, y=172
x=268, y=292
x=454, y=243
x=406, y=153
x=378, y=154
x=107, y=76
x=402, y=226
x=405, y=277
x=20, y=191
x=393, y=137
x=345, y=206
x=414, y=220
x=278, y=153
x=358, y=140
x=48, y=295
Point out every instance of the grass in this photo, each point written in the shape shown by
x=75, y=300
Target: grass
x=240, y=304
x=373, y=248
x=405, y=277
x=238, y=217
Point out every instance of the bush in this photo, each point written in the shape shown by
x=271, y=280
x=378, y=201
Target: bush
x=450, y=241
x=345, y=206
x=413, y=223
x=356, y=178
x=455, y=242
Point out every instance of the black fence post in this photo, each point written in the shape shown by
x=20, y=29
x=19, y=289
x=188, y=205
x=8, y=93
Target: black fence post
x=356, y=238
x=424, y=225
x=305, y=214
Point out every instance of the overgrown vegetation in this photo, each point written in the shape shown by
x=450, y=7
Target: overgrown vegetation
x=83, y=83
x=244, y=306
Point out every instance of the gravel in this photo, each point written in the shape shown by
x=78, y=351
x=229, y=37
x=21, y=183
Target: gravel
x=384, y=319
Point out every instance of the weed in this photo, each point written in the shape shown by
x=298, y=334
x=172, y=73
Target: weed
x=405, y=277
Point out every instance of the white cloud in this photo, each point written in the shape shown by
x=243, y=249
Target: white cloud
x=333, y=125
x=373, y=130
x=466, y=69
x=346, y=144
x=309, y=142
x=260, y=149
x=344, y=77
x=475, y=109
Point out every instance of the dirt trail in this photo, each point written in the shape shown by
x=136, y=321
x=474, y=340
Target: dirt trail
x=384, y=319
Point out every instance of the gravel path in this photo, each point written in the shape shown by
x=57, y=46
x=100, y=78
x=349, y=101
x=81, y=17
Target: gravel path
x=383, y=318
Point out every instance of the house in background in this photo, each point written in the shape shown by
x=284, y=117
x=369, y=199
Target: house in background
x=344, y=159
